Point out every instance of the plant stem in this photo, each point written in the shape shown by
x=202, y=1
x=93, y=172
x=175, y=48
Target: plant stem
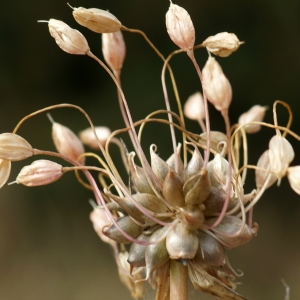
x=178, y=281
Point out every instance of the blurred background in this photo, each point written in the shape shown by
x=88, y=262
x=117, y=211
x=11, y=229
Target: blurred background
x=48, y=249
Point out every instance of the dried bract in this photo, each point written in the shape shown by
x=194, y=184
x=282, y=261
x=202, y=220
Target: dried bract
x=114, y=49
x=97, y=20
x=222, y=44
x=67, y=38
x=180, y=27
x=216, y=86
x=40, y=172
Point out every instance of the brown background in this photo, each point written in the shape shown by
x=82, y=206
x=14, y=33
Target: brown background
x=48, y=249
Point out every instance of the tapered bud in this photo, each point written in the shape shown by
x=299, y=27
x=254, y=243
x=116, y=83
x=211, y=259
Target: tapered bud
x=260, y=175
x=210, y=252
x=172, y=189
x=194, y=166
x=13, y=147
x=87, y=136
x=96, y=20
x=160, y=167
x=180, y=27
x=230, y=232
x=5, y=166
x=113, y=49
x=67, y=38
x=293, y=175
x=281, y=154
x=136, y=256
x=171, y=161
x=40, y=172
x=216, y=86
x=255, y=114
x=138, y=176
x=100, y=220
x=194, y=107
x=222, y=44
x=128, y=225
x=181, y=242
x=66, y=142
x=192, y=216
x=156, y=254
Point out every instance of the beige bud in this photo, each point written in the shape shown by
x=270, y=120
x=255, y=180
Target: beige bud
x=87, y=136
x=181, y=242
x=5, y=166
x=67, y=38
x=255, y=113
x=114, y=49
x=171, y=161
x=194, y=107
x=180, y=27
x=40, y=172
x=261, y=176
x=192, y=216
x=222, y=44
x=215, y=84
x=281, y=155
x=13, y=147
x=293, y=175
x=194, y=166
x=100, y=220
x=217, y=141
x=160, y=167
x=96, y=20
x=66, y=142
x=136, y=256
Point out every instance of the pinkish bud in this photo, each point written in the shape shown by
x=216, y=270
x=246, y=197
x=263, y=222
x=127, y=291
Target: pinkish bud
x=113, y=49
x=97, y=20
x=5, y=166
x=281, y=154
x=255, y=114
x=216, y=86
x=194, y=107
x=66, y=142
x=13, y=147
x=67, y=38
x=222, y=44
x=40, y=172
x=87, y=136
x=180, y=27
x=293, y=175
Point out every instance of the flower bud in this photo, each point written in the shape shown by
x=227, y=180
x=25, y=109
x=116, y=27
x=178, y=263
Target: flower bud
x=293, y=175
x=67, y=38
x=96, y=20
x=261, y=176
x=160, y=167
x=222, y=44
x=5, y=166
x=281, y=154
x=180, y=27
x=181, y=242
x=194, y=166
x=66, y=142
x=217, y=141
x=40, y=172
x=136, y=256
x=100, y=220
x=87, y=136
x=13, y=147
x=215, y=84
x=113, y=49
x=255, y=113
x=194, y=107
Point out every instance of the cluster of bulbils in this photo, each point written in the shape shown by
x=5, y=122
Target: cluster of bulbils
x=187, y=211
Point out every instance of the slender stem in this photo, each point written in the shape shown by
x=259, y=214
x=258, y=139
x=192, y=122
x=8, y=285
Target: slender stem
x=178, y=281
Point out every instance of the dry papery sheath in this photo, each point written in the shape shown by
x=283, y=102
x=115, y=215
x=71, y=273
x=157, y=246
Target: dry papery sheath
x=96, y=20
x=67, y=38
